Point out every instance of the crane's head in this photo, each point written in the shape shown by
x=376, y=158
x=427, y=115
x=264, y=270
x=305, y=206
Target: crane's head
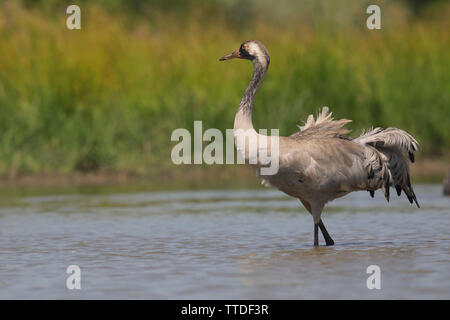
x=252, y=50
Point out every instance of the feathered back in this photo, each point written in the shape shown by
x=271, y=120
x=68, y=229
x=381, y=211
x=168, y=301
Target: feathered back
x=323, y=127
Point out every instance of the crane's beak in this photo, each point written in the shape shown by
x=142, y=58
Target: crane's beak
x=234, y=54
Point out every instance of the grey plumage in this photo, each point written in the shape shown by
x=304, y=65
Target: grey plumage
x=393, y=144
x=321, y=162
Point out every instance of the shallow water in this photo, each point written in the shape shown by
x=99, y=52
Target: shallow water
x=253, y=244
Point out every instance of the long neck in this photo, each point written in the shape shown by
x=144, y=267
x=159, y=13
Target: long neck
x=243, y=118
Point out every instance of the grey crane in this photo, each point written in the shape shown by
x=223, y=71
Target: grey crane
x=320, y=162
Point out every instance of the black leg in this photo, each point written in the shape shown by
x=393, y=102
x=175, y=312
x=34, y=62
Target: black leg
x=326, y=235
x=316, y=234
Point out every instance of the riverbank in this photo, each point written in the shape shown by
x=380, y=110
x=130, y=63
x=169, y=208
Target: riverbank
x=183, y=177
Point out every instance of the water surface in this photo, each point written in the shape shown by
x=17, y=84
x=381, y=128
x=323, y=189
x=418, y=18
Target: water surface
x=250, y=244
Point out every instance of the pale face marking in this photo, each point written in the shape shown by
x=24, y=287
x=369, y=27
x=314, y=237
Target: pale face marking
x=253, y=49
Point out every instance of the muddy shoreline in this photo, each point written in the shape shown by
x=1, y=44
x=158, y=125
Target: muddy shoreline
x=186, y=177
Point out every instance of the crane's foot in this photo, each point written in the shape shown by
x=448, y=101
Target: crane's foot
x=328, y=240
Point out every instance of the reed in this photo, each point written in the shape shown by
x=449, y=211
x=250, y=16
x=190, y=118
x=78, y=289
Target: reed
x=109, y=95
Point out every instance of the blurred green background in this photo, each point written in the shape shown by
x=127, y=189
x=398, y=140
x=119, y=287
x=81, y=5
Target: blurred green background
x=106, y=98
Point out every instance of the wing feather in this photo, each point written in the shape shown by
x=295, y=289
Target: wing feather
x=323, y=127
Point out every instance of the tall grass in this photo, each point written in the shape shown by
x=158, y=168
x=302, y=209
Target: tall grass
x=109, y=95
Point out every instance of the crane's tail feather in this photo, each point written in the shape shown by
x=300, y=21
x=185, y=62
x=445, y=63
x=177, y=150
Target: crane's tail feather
x=390, y=138
x=386, y=161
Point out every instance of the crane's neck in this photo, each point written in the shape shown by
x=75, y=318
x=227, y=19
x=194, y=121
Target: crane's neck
x=243, y=118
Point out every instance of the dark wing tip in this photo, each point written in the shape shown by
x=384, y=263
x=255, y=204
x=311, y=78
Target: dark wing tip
x=399, y=189
x=415, y=200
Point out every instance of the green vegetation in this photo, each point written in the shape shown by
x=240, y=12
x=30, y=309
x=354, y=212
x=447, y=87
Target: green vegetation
x=108, y=96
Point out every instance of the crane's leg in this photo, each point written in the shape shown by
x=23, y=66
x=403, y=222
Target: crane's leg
x=316, y=235
x=316, y=211
x=328, y=240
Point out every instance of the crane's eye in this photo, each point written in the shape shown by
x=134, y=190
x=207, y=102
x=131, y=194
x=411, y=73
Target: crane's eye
x=244, y=53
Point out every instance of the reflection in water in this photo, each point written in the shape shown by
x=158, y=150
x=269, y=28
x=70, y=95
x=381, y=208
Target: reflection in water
x=222, y=245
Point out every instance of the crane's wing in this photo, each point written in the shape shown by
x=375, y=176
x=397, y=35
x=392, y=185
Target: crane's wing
x=323, y=127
